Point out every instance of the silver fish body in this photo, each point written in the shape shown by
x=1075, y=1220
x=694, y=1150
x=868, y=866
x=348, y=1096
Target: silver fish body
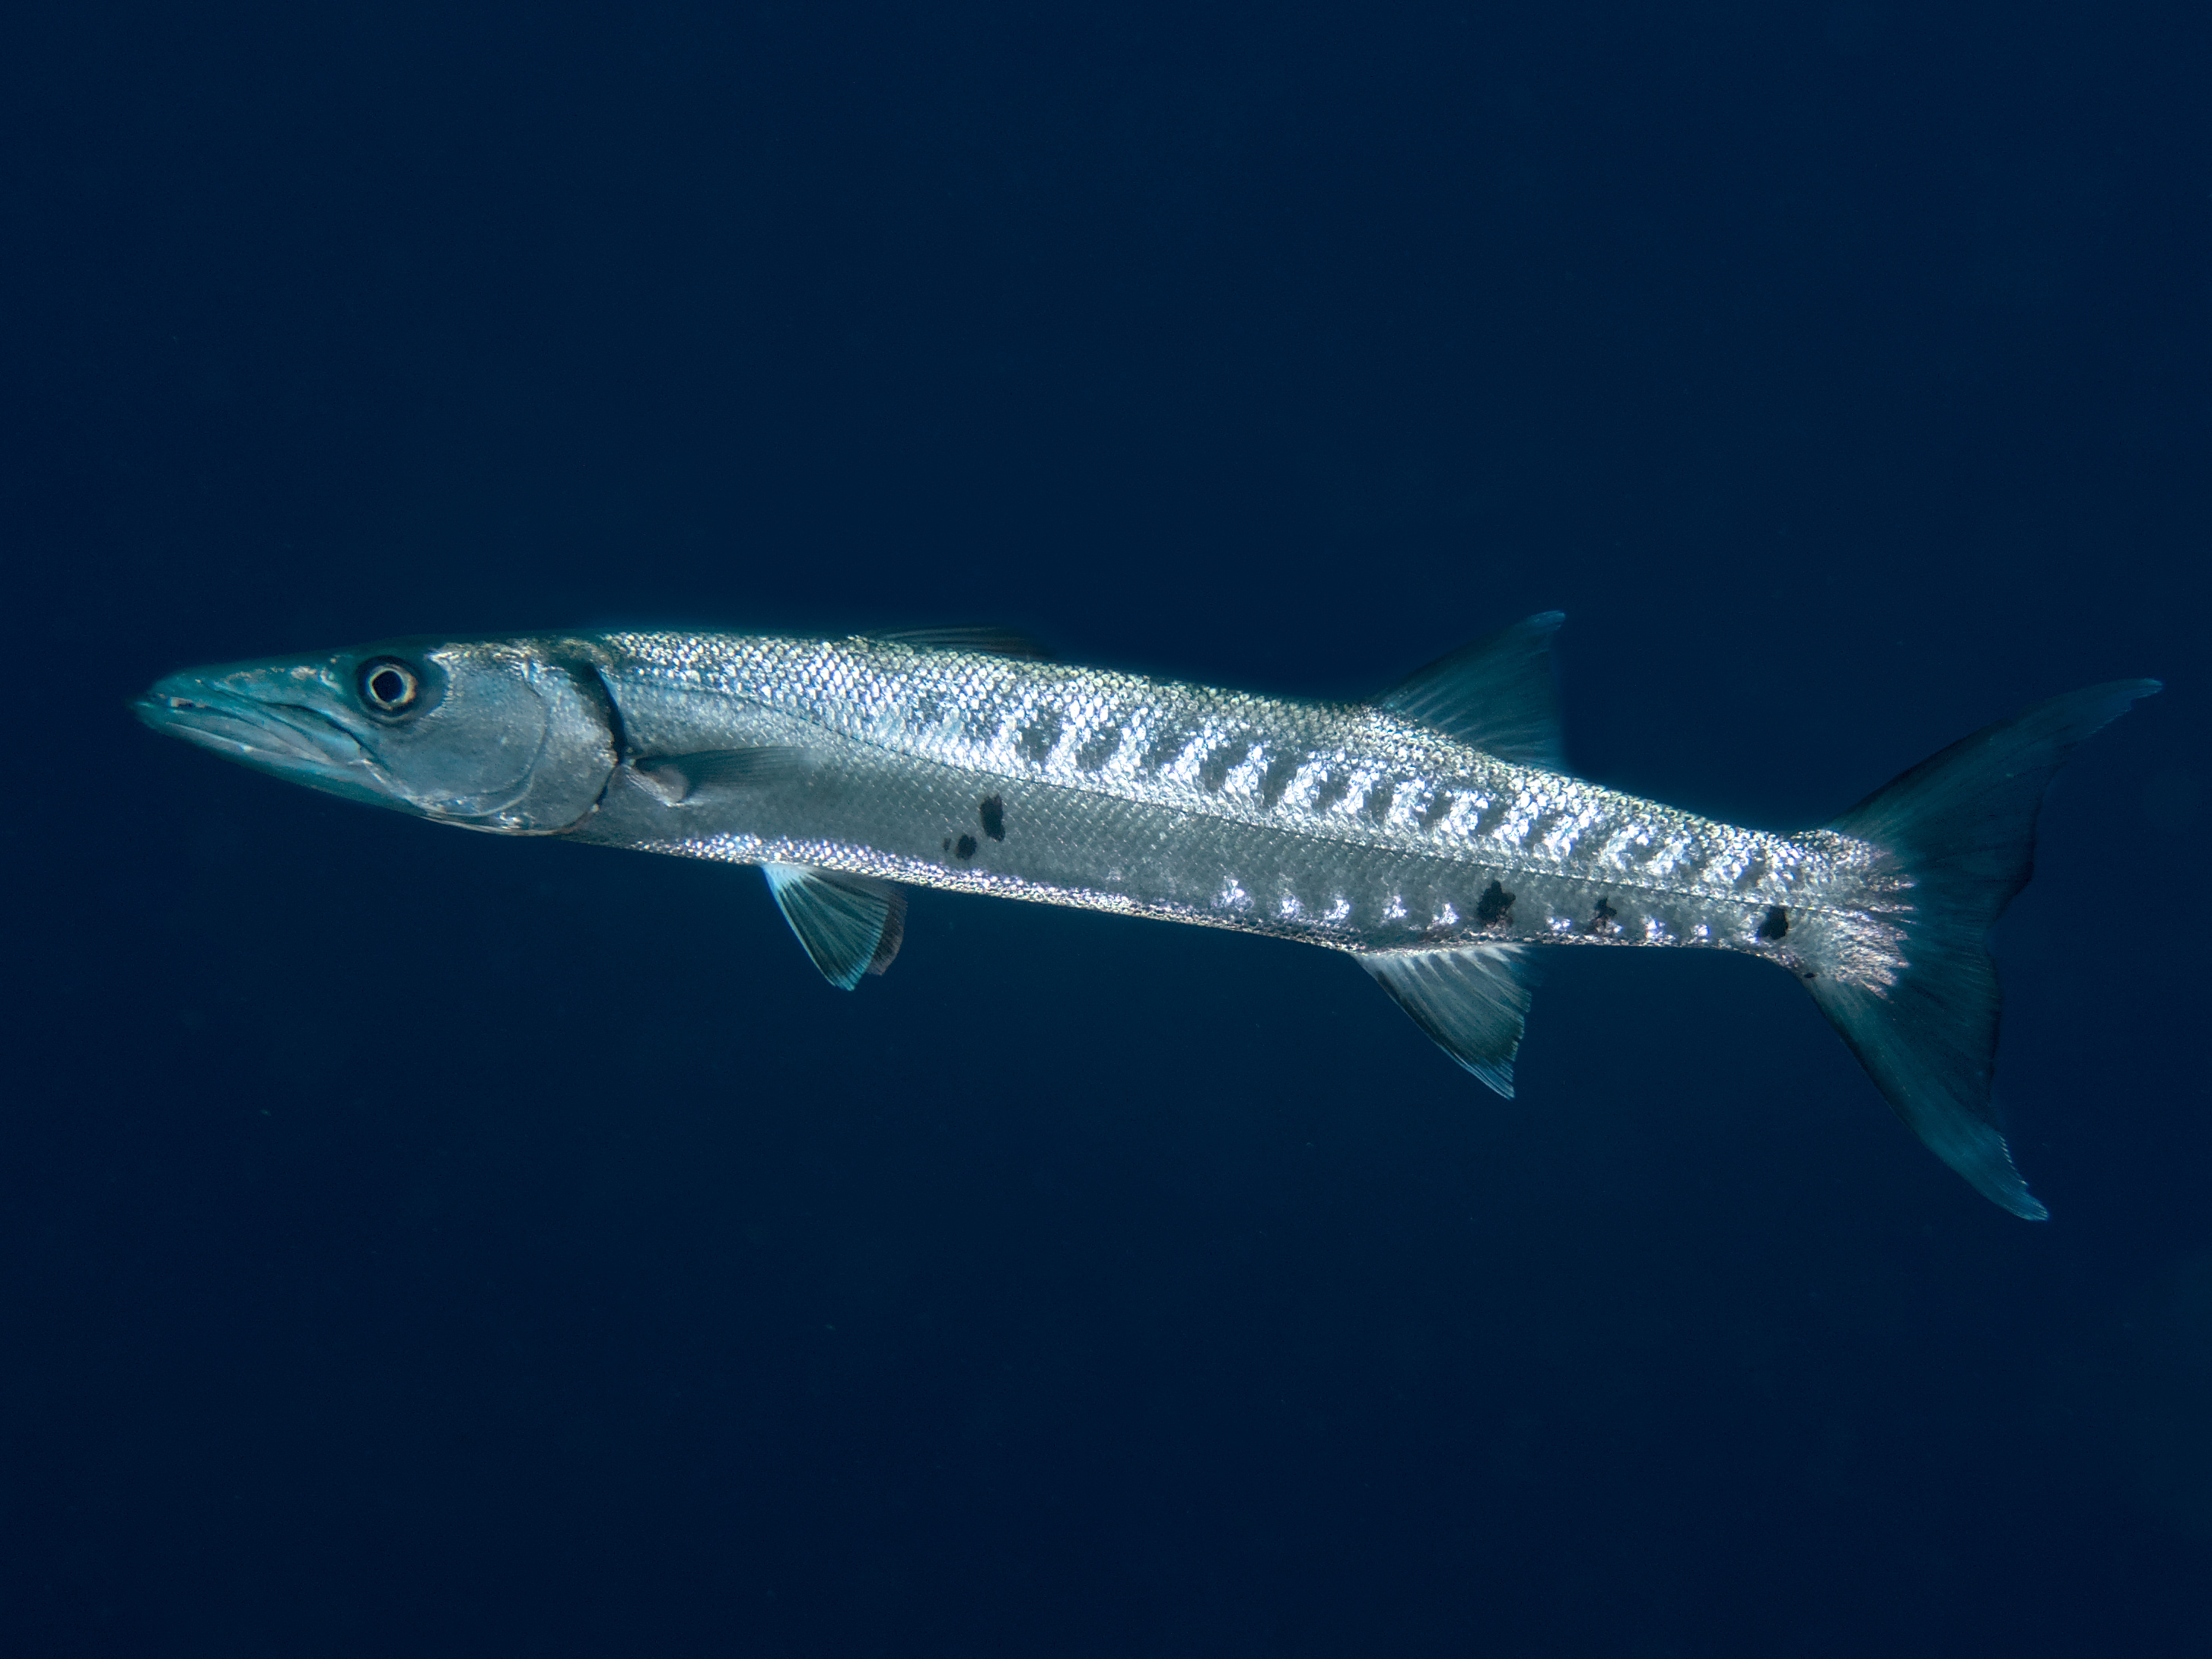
x=1344, y=825
x=1433, y=835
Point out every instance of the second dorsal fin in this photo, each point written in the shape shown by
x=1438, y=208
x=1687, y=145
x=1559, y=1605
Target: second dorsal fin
x=1496, y=694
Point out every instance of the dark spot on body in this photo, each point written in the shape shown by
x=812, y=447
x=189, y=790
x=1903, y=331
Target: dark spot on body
x=1213, y=771
x=1333, y=788
x=1102, y=746
x=1281, y=769
x=964, y=848
x=1602, y=921
x=1377, y=806
x=1438, y=809
x=1039, y=736
x=992, y=809
x=1166, y=745
x=1777, y=923
x=1495, y=908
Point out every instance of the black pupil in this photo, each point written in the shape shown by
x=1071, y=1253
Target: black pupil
x=388, y=685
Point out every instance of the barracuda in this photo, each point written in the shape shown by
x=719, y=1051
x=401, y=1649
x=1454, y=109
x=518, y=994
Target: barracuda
x=1433, y=835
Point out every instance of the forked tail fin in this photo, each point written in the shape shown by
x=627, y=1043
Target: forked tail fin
x=1961, y=826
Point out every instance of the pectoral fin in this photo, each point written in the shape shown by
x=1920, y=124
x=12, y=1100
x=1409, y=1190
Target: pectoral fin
x=1474, y=1001
x=851, y=926
x=680, y=780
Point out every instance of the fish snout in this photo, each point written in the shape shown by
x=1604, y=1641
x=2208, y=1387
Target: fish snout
x=292, y=739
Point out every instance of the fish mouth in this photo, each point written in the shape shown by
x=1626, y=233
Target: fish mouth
x=289, y=739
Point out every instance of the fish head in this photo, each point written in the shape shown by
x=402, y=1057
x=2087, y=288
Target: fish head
x=512, y=736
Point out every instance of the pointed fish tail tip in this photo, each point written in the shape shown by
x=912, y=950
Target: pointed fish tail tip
x=1961, y=829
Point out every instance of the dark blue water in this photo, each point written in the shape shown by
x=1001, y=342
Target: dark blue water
x=416, y=1242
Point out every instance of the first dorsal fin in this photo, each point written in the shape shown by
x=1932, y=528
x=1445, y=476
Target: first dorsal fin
x=1496, y=694
x=1472, y=999
x=851, y=926
x=990, y=641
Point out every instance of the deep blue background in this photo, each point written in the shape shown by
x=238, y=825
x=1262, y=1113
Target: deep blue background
x=419, y=1243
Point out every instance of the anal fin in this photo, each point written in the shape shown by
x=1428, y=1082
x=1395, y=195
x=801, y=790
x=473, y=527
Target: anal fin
x=851, y=926
x=1473, y=1001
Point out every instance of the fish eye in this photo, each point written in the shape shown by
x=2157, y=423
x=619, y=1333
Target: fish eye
x=389, y=686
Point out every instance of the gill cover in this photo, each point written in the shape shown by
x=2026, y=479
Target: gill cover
x=496, y=737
